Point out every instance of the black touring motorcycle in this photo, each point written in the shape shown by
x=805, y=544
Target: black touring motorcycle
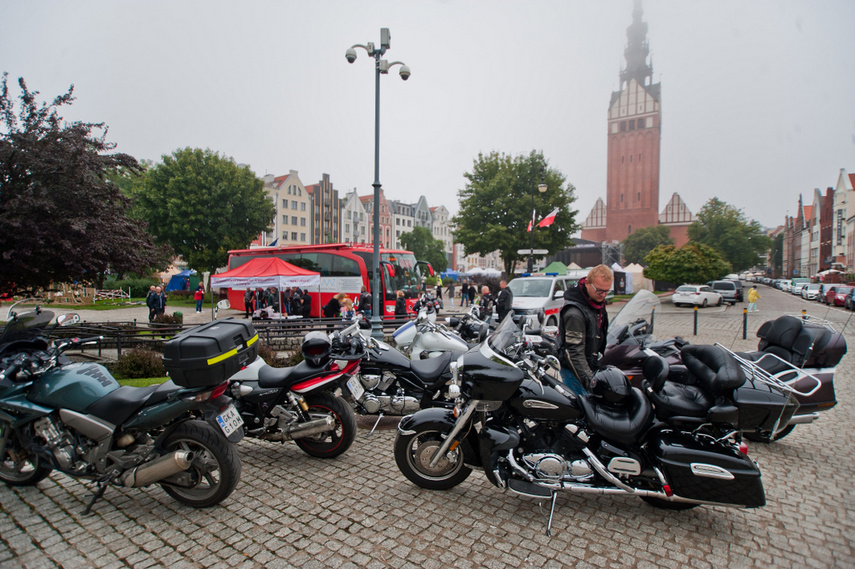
x=518, y=423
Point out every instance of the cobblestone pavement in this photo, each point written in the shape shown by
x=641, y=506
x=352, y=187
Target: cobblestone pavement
x=291, y=510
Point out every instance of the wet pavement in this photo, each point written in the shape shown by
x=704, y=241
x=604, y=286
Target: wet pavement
x=292, y=510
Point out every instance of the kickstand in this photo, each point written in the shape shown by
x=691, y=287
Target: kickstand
x=102, y=487
x=551, y=513
x=377, y=422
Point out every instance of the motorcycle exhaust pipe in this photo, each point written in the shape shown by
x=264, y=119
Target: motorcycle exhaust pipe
x=803, y=419
x=301, y=430
x=158, y=469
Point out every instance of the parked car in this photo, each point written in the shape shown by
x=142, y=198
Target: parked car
x=841, y=295
x=727, y=289
x=827, y=292
x=740, y=296
x=796, y=288
x=810, y=291
x=696, y=295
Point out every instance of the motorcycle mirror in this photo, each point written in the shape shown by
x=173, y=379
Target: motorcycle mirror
x=68, y=319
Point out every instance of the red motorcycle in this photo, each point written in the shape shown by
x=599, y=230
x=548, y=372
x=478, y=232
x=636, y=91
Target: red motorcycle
x=788, y=380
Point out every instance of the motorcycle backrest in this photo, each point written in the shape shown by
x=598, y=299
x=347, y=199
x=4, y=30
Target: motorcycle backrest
x=781, y=332
x=715, y=370
x=656, y=371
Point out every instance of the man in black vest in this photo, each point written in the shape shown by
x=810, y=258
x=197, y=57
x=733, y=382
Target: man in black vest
x=582, y=328
x=504, y=300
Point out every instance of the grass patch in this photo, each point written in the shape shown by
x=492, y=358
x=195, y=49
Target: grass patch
x=143, y=381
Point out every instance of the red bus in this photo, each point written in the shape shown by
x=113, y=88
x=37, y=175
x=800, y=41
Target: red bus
x=345, y=267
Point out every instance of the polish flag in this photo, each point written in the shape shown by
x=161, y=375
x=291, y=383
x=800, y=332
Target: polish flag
x=549, y=219
x=530, y=223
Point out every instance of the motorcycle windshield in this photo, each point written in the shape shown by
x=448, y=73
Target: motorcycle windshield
x=642, y=307
x=507, y=340
x=26, y=326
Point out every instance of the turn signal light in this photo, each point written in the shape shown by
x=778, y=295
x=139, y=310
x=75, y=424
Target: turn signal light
x=743, y=448
x=668, y=491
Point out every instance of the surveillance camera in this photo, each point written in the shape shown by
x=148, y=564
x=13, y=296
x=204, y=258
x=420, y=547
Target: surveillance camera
x=405, y=72
x=350, y=55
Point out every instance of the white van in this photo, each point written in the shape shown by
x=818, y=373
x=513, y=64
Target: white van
x=542, y=296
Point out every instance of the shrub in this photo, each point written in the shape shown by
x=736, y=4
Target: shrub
x=272, y=359
x=139, y=286
x=175, y=318
x=137, y=363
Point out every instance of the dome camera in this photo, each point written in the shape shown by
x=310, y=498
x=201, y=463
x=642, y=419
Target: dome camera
x=350, y=55
x=405, y=72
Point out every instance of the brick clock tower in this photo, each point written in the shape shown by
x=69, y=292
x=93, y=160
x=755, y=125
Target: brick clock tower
x=634, y=132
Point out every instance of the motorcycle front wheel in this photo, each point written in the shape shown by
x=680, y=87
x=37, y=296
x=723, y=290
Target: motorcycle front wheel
x=335, y=442
x=214, y=472
x=414, y=452
x=18, y=466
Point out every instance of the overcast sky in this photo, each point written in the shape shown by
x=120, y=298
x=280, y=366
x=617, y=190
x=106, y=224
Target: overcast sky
x=758, y=97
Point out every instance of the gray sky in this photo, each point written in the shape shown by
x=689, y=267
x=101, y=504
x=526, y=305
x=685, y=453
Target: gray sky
x=758, y=98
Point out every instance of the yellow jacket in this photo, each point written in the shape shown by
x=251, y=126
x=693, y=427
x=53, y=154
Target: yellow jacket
x=753, y=295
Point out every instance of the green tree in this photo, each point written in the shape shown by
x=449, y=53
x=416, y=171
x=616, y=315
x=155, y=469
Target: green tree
x=203, y=205
x=691, y=263
x=425, y=247
x=644, y=240
x=61, y=218
x=726, y=229
x=775, y=260
x=496, y=207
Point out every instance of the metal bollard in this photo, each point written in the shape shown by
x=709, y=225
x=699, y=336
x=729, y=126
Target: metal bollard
x=696, y=320
x=744, y=323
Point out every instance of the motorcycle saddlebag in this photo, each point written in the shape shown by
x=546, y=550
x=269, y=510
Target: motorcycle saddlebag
x=210, y=354
x=707, y=472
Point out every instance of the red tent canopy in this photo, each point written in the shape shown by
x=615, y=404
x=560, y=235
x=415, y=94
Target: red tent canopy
x=266, y=272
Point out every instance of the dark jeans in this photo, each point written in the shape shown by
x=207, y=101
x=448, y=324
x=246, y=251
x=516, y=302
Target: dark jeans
x=572, y=382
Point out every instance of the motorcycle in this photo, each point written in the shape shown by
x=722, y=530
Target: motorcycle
x=423, y=338
x=797, y=354
x=302, y=403
x=390, y=382
x=530, y=434
x=77, y=419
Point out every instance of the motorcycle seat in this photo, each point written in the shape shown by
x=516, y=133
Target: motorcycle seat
x=678, y=400
x=622, y=424
x=271, y=377
x=431, y=369
x=121, y=403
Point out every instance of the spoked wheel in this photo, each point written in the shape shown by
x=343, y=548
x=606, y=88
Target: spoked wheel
x=668, y=505
x=766, y=436
x=413, y=454
x=331, y=443
x=19, y=467
x=215, y=470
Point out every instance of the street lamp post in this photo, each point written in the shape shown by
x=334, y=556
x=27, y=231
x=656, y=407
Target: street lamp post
x=380, y=66
x=541, y=187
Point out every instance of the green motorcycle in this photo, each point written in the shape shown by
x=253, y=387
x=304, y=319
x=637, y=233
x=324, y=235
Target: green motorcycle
x=77, y=419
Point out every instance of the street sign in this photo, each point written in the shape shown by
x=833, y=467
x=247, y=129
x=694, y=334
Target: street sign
x=532, y=252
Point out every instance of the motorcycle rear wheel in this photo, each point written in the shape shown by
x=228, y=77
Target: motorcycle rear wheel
x=19, y=467
x=333, y=443
x=215, y=470
x=414, y=452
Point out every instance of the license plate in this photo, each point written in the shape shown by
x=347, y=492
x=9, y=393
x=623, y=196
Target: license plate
x=355, y=387
x=229, y=420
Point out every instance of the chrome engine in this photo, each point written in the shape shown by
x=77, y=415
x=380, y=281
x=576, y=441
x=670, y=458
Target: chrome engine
x=552, y=467
x=389, y=404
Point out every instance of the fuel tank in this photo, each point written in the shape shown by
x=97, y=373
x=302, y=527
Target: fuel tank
x=73, y=386
x=545, y=403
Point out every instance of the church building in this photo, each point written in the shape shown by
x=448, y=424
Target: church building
x=634, y=134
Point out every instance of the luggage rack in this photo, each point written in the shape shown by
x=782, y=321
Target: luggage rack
x=784, y=380
x=816, y=321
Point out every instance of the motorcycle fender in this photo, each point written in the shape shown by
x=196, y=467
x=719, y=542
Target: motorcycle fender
x=441, y=420
x=435, y=418
x=214, y=408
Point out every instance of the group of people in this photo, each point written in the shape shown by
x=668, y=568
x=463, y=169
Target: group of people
x=343, y=306
x=155, y=300
x=290, y=301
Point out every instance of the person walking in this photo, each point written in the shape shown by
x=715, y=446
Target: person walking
x=451, y=293
x=199, y=297
x=753, y=297
x=365, y=302
x=464, y=294
x=473, y=290
x=400, y=305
